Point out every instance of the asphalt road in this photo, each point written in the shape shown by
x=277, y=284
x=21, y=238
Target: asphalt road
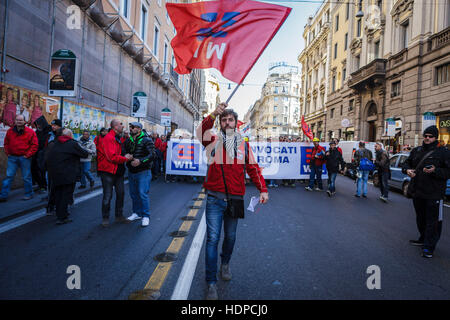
x=302, y=245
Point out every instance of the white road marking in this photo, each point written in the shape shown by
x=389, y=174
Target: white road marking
x=29, y=217
x=184, y=282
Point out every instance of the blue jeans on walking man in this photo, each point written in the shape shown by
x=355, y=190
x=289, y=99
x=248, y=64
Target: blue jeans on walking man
x=86, y=173
x=332, y=181
x=361, y=183
x=139, y=189
x=215, y=208
x=316, y=174
x=15, y=162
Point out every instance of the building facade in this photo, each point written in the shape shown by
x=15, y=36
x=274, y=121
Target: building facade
x=389, y=62
x=277, y=112
x=315, y=63
x=121, y=46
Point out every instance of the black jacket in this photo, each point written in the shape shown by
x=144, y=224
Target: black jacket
x=141, y=148
x=382, y=161
x=63, y=161
x=429, y=185
x=333, y=160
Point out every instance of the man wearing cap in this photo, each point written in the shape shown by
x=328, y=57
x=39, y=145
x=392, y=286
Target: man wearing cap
x=334, y=160
x=316, y=164
x=429, y=168
x=141, y=147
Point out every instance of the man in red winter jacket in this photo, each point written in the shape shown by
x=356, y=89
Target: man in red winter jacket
x=229, y=152
x=316, y=165
x=111, y=169
x=20, y=145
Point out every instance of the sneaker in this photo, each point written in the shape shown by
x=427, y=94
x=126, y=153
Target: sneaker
x=105, y=222
x=275, y=186
x=364, y=196
x=42, y=191
x=145, y=221
x=211, y=292
x=50, y=211
x=225, y=273
x=133, y=217
x=308, y=188
x=383, y=199
x=426, y=253
x=82, y=187
x=329, y=193
x=25, y=198
x=64, y=221
x=318, y=189
x=417, y=243
x=357, y=196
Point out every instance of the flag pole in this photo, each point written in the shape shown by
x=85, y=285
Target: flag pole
x=232, y=94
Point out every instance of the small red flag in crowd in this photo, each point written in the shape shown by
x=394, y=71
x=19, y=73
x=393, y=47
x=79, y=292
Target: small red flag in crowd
x=306, y=129
x=227, y=35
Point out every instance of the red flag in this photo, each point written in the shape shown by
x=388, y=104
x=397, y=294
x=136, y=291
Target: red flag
x=227, y=35
x=239, y=123
x=306, y=129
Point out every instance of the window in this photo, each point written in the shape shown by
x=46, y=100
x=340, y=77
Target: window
x=344, y=75
x=380, y=4
x=166, y=53
x=337, y=23
x=125, y=8
x=376, y=49
x=143, y=23
x=347, y=11
x=286, y=109
x=156, y=41
x=275, y=98
x=335, y=50
x=404, y=29
x=275, y=108
x=274, y=129
x=333, y=84
x=357, y=61
x=442, y=74
x=285, y=120
x=274, y=119
x=331, y=113
x=342, y=107
x=395, y=89
x=346, y=41
x=350, y=105
x=401, y=161
x=393, y=162
x=358, y=28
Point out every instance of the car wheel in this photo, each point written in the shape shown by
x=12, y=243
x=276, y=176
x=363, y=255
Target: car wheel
x=405, y=188
x=376, y=180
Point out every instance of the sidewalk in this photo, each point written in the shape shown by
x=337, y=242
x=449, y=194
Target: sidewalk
x=16, y=207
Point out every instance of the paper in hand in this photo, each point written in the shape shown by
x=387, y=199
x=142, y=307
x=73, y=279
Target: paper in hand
x=253, y=202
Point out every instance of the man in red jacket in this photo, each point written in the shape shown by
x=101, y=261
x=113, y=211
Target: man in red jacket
x=111, y=169
x=229, y=157
x=316, y=165
x=20, y=145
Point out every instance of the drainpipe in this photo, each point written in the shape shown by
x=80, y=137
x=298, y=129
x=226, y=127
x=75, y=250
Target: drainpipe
x=80, y=78
x=5, y=28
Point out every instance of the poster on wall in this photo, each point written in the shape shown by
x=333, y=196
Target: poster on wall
x=31, y=104
x=62, y=74
x=79, y=117
x=139, y=103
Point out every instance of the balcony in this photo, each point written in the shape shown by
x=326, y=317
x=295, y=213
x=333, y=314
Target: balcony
x=440, y=39
x=369, y=75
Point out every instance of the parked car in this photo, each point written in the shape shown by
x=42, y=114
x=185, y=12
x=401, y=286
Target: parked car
x=398, y=179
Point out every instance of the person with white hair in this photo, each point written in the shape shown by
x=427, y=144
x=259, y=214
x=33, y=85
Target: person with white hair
x=63, y=163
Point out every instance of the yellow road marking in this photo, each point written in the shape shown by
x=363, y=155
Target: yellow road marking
x=162, y=269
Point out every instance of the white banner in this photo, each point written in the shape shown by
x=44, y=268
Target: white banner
x=278, y=160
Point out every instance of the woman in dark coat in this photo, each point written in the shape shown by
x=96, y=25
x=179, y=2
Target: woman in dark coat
x=37, y=164
x=63, y=164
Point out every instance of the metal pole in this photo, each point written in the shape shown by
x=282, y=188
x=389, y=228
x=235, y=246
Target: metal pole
x=232, y=94
x=80, y=78
x=61, y=107
x=5, y=27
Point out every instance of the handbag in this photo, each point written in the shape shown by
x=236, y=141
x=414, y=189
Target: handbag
x=235, y=207
x=410, y=192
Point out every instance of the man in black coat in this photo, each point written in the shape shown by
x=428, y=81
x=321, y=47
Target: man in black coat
x=334, y=159
x=37, y=164
x=384, y=170
x=63, y=164
x=139, y=171
x=429, y=168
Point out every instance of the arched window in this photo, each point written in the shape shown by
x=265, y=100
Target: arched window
x=372, y=111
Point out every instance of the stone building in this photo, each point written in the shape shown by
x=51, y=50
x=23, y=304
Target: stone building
x=315, y=59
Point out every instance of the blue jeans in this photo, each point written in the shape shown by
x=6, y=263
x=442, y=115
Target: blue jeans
x=14, y=162
x=316, y=173
x=139, y=188
x=332, y=182
x=362, y=183
x=86, y=172
x=214, y=216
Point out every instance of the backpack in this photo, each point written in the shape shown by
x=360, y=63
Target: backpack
x=365, y=164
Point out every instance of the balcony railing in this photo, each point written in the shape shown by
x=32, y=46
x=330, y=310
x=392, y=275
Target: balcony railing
x=440, y=39
x=368, y=73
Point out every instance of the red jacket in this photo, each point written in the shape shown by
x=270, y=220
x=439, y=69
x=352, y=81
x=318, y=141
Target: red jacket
x=109, y=153
x=158, y=144
x=24, y=144
x=164, y=149
x=321, y=152
x=234, y=172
